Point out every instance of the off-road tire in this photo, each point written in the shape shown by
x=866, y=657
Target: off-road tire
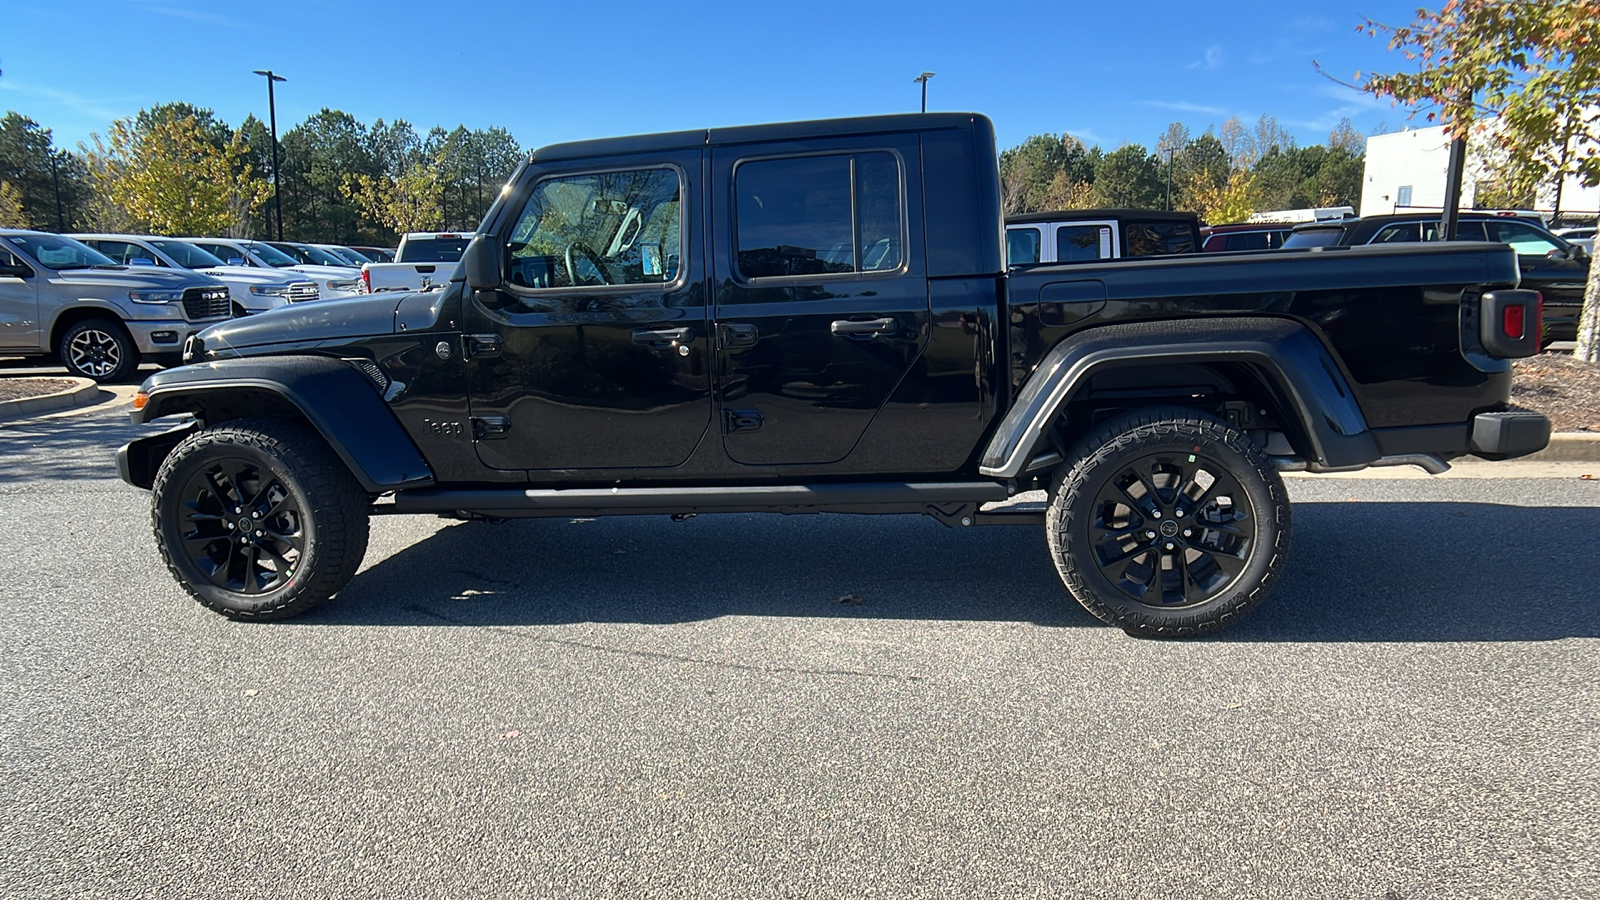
x=100, y=349
x=300, y=488
x=1088, y=523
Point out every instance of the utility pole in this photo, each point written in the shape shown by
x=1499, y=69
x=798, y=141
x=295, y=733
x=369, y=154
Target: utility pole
x=923, y=80
x=55, y=178
x=272, y=113
x=1169, y=178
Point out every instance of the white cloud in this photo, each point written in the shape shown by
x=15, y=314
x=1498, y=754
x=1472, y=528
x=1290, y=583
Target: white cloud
x=90, y=106
x=1215, y=57
x=193, y=15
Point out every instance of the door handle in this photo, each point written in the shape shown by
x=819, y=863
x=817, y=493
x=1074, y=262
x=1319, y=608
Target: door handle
x=481, y=345
x=870, y=328
x=663, y=338
x=740, y=334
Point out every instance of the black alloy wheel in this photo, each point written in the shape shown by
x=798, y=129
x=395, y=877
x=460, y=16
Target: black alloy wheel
x=241, y=526
x=1168, y=523
x=1171, y=530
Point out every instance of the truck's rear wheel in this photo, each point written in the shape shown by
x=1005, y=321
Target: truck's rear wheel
x=1168, y=523
x=258, y=519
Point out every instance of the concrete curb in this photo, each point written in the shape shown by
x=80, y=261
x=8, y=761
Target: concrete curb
x=1572, y=446
x=83, y=393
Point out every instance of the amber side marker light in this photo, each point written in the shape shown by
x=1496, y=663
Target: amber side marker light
x=140, y=399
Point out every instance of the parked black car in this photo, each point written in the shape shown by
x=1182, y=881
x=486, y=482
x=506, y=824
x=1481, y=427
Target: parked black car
x=1553, y=266
x=817, y=317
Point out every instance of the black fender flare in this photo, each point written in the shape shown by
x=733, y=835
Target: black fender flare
x=340, y=402
x=1297, y=363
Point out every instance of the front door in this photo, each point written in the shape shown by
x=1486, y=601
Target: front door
x=593, y=354
x=821, y=294
x=19, y=306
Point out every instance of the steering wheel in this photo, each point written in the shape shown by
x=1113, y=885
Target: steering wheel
x=579, y=250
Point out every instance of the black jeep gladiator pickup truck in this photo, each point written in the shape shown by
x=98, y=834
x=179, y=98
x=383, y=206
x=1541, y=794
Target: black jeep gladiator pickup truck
x=817, y=317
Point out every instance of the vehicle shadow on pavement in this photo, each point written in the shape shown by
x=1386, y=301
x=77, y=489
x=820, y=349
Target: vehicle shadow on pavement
x=1357, y=572
x=72, y=447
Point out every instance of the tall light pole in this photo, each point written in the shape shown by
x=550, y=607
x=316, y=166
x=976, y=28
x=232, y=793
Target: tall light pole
x=272, y=113
x=923, y=80
x=1169, y=178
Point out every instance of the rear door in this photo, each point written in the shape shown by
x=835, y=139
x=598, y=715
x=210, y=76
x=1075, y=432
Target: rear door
x=594, y=354
x=821, y=293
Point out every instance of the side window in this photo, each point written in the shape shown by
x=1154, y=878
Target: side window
x=1403, y=196
x=818, y=215
x=1081, y=243
x=1404, y=233
x=1022, y=246
x=1248, y=240
x=1157, y=239
x=600, y=229
x=123, y=252
x=1526, y=240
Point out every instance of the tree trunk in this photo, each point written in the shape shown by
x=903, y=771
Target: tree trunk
x=1588, y=348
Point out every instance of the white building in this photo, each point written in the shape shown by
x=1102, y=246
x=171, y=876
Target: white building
x=1407, y=170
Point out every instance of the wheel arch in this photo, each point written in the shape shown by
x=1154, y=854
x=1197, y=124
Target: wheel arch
x=81, y=312
x=330, y=395
x=1278, y=363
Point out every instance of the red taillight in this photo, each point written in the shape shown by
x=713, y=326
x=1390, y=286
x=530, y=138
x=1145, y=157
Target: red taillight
x=366, y=281
x=1512, y=323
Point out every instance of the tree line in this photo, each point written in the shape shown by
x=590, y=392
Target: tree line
x=1223, y=175
x=178, y=169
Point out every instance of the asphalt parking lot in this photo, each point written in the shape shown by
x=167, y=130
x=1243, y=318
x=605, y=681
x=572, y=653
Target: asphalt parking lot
x=636, y=708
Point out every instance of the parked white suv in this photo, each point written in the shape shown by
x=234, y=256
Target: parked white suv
x=332, y=282
x=253, y=289
x=58, y=296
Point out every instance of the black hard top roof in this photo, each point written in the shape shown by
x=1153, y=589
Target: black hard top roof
x=1120, y=215
x=747, y=134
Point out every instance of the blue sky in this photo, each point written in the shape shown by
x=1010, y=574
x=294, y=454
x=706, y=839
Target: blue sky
x=1109, y=72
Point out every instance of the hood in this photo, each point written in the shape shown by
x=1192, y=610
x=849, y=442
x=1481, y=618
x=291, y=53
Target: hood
x=336, y=272
x=132, y=278
x=253, y=275
x=304, y=324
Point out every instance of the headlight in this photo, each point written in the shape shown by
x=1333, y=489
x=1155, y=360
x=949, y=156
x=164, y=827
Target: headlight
x=351, y=285
x=155, y=296
x=270, y=290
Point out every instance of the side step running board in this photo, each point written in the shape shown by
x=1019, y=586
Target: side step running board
x=947, y=501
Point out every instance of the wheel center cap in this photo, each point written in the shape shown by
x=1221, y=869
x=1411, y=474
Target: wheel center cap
x=246, y=525
x=1169, y=528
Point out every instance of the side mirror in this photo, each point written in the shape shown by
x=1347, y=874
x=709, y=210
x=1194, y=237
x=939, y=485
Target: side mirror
x=480, y=264
x=12, y=271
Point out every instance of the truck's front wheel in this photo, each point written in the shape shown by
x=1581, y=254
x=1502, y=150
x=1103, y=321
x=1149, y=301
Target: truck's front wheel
x=258, y=519
x=1169, y=523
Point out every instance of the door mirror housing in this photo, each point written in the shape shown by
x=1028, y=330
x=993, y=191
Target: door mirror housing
x=480, y=264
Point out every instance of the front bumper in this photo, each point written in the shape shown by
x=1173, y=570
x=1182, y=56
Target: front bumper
x=1507, y=435
x=162, y=337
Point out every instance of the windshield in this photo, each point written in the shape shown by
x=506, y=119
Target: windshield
x=1313, y=237
x=318, y=256
x=270, y=255
x=352, y=257
x=440, y=249
x=56, y=252
x=187, y=255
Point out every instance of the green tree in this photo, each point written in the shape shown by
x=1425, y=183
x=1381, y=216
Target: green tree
x=11, y=212
x=1129, y=177
x=36, y=168
x=1029, y=172
x=1534, y=65
x=168, y=176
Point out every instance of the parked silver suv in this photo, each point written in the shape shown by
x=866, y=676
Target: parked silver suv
x=58, y=296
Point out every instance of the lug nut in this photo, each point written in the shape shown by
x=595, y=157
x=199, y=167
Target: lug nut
x=1169, y=545
x=257, y=514
x=230, y=526
x=1180, y=513
x=1186, y=532
x=258, y=534
x=1149, y=534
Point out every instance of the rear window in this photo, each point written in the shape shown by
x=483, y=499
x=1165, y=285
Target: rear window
x=1313, y=237
x=1158, y=239
x=429, y=250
